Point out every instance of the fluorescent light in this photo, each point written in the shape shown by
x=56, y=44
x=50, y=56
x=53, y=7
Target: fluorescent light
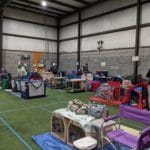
x=44, y=3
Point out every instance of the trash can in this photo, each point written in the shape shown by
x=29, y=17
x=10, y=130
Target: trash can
x=5, y=83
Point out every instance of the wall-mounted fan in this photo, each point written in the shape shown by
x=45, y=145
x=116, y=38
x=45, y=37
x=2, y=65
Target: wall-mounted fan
x=100, y=46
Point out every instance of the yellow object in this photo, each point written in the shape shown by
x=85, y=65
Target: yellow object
x=131, y=130
x=36, y=58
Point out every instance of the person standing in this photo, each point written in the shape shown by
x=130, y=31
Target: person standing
x=53, y=68
x=21, y=71
x=79, y=72
x=86, y=68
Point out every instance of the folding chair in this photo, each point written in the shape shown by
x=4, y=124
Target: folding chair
x=94, y=143
x=123, y=137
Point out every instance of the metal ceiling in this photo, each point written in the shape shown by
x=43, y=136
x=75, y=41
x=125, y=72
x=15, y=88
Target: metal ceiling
x=54, y=8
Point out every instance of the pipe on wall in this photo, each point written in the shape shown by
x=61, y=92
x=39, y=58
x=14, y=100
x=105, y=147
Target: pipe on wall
x=58, y=43
x=1, y=38
x=137, y=38
x=79, y=40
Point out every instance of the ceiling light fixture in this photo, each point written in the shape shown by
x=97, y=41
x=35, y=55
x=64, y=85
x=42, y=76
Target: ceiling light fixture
x=44, y=3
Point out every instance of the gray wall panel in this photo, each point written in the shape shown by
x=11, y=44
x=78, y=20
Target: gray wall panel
x=21, y=28
x=69, y=31
x=146, y=13
x=145, y=36
x=112, y=21
x=111, y=41
x=68, y=61
x=28, y=29
x=16, y=43
x=68, y=46
x=144, y=63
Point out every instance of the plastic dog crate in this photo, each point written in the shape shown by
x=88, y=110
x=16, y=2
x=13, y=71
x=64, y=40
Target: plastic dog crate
x=74, y=132
x=58, y=127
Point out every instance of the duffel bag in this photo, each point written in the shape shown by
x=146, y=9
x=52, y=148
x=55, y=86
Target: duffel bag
x=78, y=107
x=98, y=111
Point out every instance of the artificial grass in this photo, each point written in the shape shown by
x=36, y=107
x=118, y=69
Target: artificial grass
x=30, y=117
x=7, y=139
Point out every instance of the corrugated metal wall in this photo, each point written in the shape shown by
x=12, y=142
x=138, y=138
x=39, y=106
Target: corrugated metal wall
x=119, y=61
x=28, y=29
x=27, y=36
x=119, y=45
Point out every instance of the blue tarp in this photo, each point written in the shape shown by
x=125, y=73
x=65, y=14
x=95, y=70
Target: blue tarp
x=48, y=142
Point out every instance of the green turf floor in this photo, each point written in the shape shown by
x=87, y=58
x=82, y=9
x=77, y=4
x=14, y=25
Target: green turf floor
x=30, y=117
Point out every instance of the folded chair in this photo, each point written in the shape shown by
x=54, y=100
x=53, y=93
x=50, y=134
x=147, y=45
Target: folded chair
x=94, y=143
x=141, y=142
x=109, y=96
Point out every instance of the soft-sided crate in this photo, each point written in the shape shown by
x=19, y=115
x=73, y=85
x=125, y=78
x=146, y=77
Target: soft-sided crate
x=58, y=126
x=76, y=85
x=74, y=132
x=58, y=82
x=16, y=85
x=33, y=88
x=47, y=75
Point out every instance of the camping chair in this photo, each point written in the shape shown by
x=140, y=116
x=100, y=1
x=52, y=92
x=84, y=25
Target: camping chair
x=123, y=137
x=90, y=142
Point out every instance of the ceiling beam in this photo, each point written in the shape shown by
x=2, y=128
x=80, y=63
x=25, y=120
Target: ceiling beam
x=86, y=7
x=34, y=8
x=33, y=11
x=62, y=4
x=82, y=2
x=3, y=4
x=39, y=5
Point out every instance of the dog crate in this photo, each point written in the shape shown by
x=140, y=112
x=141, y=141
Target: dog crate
x=58, y=127
x=16, y=85
x=74, y=132
x=76, y=85
x=32, y=89
x=59, y=82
